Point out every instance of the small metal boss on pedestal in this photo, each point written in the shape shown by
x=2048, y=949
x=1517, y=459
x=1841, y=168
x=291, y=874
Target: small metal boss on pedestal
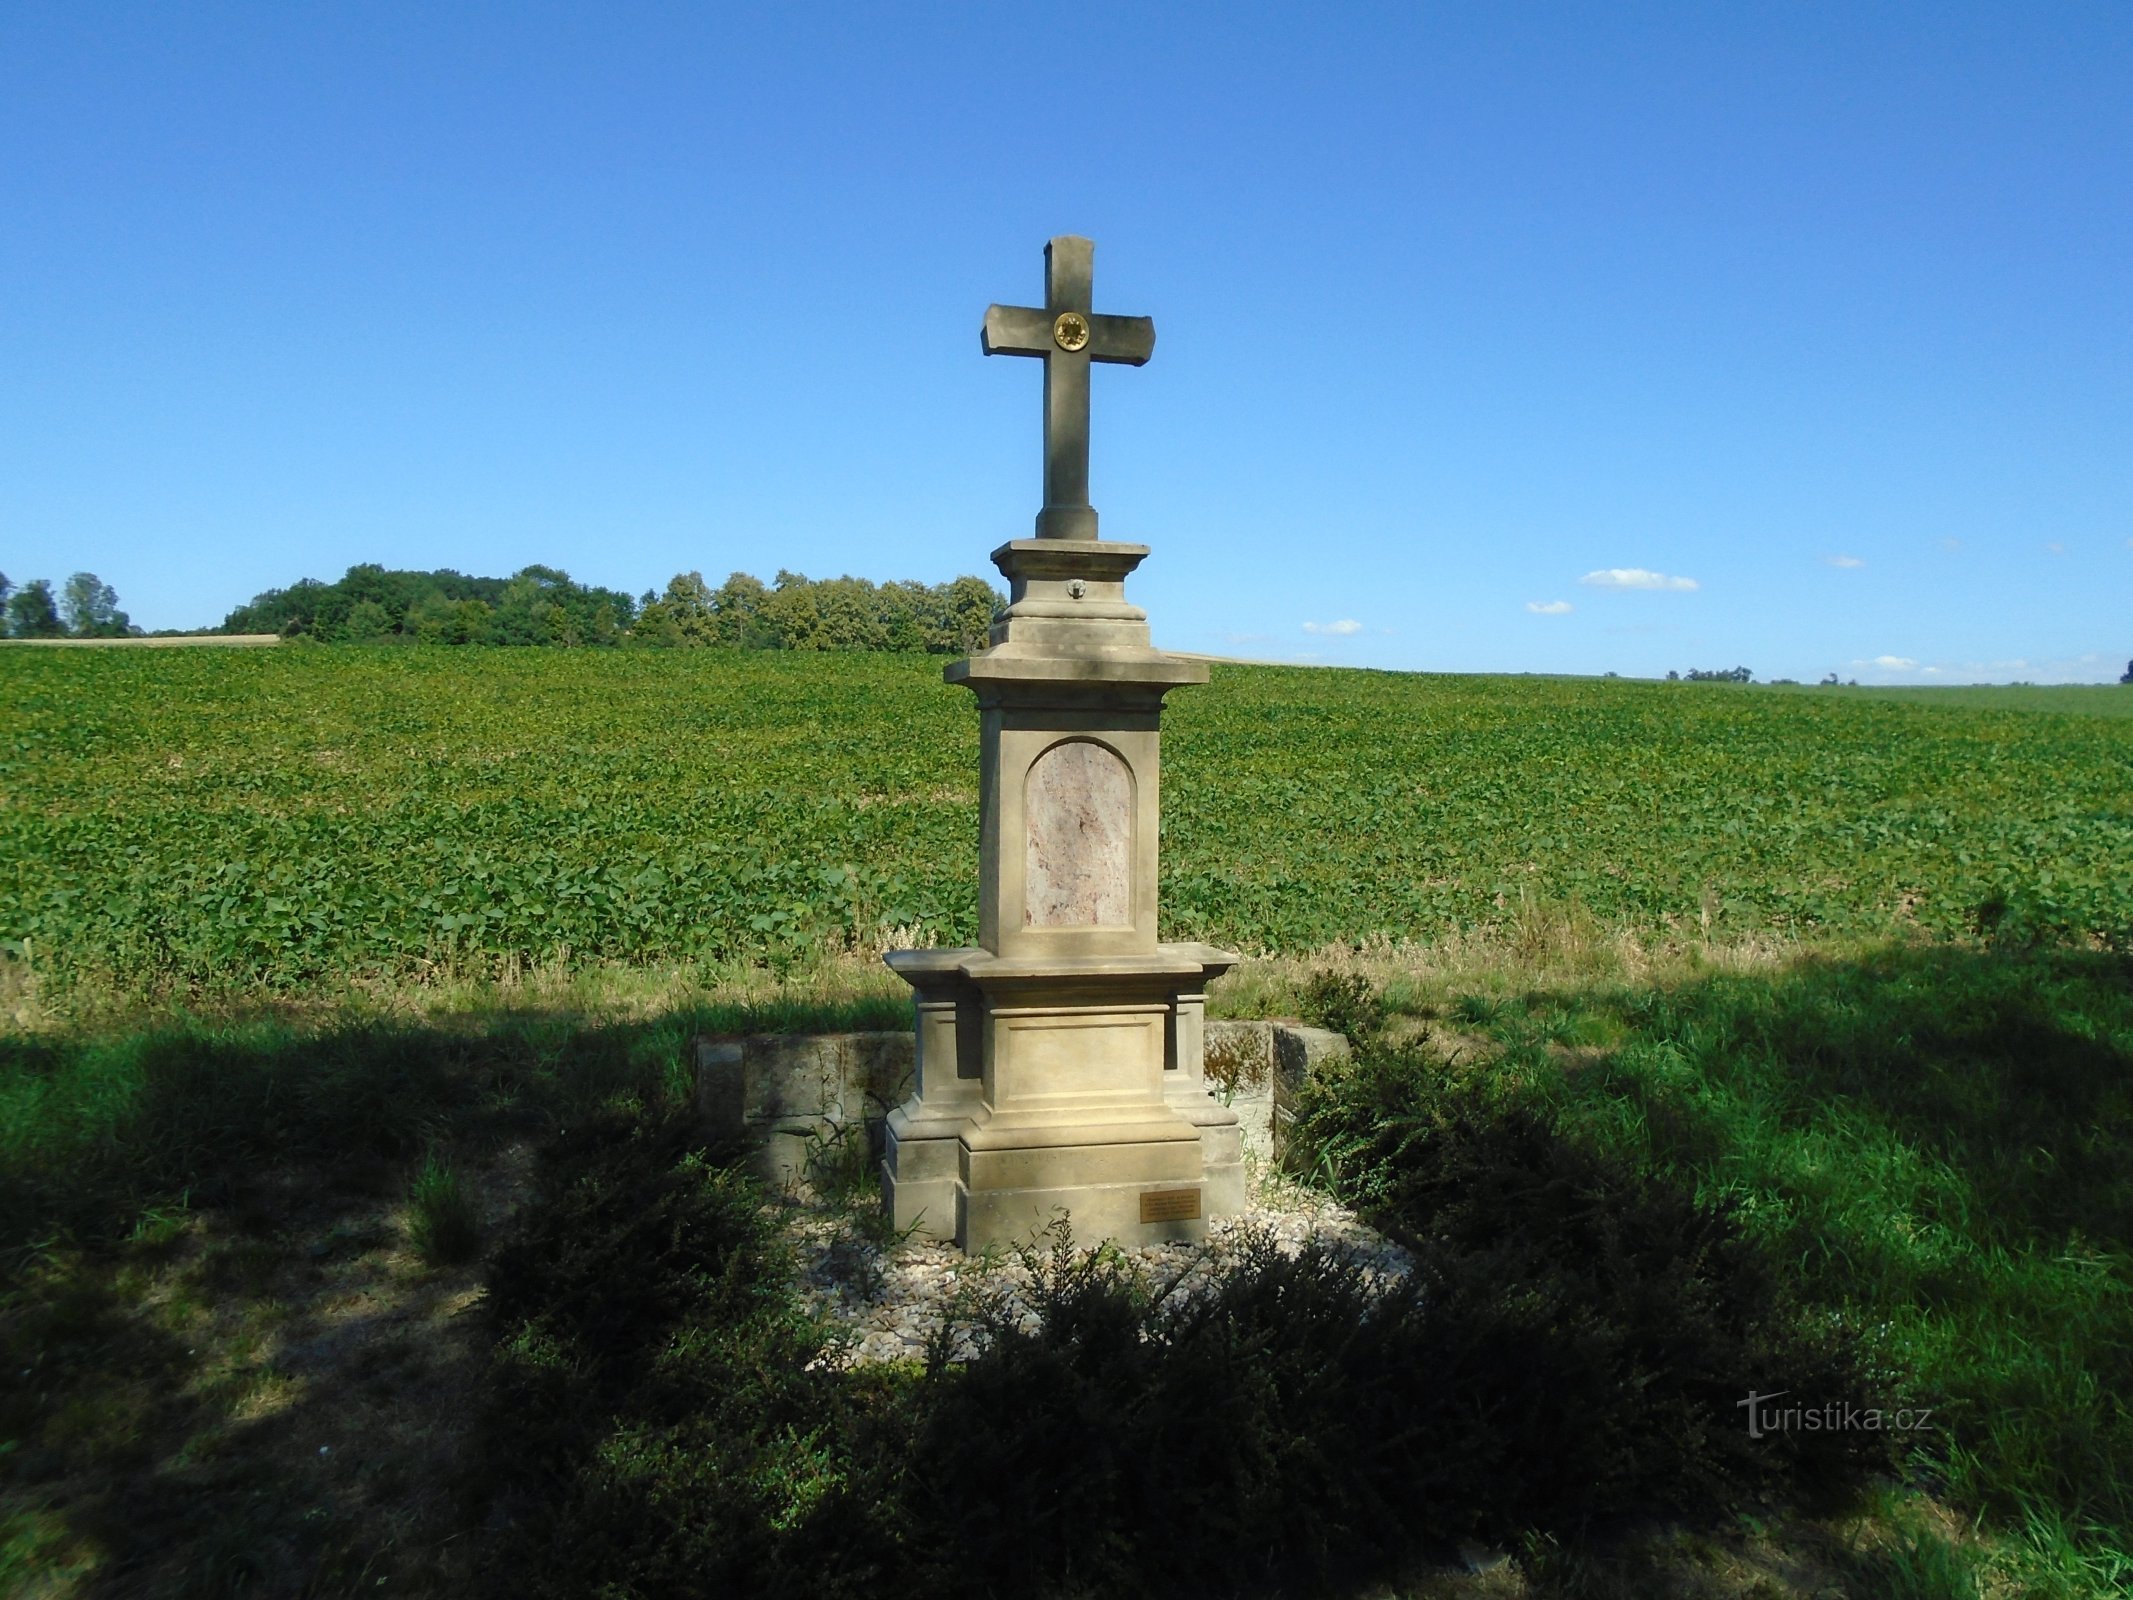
x=1060, y=1062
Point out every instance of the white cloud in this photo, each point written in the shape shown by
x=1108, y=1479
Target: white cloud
x=1951, y=545
x=1342, y=628
x=1550, y=608
x=2055, y=547
x=2092, y=667
x=1844, y=561
x=1636, y=578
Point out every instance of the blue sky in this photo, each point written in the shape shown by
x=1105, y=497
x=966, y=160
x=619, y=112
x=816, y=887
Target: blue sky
x=1490, y=338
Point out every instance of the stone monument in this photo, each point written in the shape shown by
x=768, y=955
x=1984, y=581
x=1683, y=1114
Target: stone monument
x=1060, y=1063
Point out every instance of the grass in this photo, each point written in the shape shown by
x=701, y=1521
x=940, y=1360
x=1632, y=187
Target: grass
x=444, y=1221
x=198, y=1214
x=103, y=1129
x=1934, y=1140
x=242, y=1330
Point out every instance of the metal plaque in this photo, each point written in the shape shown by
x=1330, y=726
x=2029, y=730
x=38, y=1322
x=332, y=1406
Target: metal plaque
x=1071, y=331
x=1170, y=1205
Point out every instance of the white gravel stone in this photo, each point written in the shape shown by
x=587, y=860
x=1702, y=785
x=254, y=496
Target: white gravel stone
x=888, y=1303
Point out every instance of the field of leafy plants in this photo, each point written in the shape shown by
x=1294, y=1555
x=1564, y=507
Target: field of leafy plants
x=175, y=822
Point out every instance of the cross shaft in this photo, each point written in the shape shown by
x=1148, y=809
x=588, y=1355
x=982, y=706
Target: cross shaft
x=1068, y=336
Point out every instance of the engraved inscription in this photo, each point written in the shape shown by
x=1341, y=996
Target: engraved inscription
x=1079, y=805
x=1170, y=1205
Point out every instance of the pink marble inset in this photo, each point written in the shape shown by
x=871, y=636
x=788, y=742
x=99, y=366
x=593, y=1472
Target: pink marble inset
x=1079, y=804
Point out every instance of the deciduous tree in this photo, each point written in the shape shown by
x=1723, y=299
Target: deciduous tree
x=90, y=607
x=32, y=613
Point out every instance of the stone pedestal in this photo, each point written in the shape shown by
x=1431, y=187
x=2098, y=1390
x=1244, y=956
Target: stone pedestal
x=1060, y=1063
x=1061, y=1085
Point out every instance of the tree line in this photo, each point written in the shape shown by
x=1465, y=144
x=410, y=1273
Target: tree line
x=86, y=608
x=373, y=605
x=543, y=606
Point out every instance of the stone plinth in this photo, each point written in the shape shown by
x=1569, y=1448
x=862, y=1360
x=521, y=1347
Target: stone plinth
x=1061, y=1085
x=1060, y=1062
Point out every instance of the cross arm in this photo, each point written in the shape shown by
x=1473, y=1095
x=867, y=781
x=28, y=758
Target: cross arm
x=1127, y=340
x=1027, y=331
x=1016, y=331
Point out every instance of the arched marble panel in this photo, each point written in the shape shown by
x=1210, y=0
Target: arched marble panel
x=1078, y=802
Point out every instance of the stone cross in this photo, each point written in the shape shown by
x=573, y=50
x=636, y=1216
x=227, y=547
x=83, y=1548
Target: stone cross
x=1068, y=335
x=1061, y=1059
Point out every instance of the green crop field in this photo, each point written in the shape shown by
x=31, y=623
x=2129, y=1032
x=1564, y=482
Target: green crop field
x=260, y=821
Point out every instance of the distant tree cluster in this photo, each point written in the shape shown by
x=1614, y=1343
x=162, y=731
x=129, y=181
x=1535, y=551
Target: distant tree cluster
x=2127, y=676
x=798, y=613
x=87, y=608
x=542, y=606
x=1712, y=675
x=370, y=604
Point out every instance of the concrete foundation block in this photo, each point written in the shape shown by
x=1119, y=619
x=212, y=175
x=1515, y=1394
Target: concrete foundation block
x=722, y=1089
x=789, y=1093
x=879, y=1071
x=792, y=1075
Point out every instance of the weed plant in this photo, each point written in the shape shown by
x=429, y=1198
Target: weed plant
x=1346, y=1002
x=657, y=1423
x=443, y=1219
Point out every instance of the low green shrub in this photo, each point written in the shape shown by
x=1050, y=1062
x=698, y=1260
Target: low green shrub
x=654, y=1422
x=1344, y=1002
x=1619, y=1322
x=1571, y=1353
x=1292, y=1427
x=2043, y=916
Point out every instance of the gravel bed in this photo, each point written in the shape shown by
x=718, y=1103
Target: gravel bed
x=888, y=1302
